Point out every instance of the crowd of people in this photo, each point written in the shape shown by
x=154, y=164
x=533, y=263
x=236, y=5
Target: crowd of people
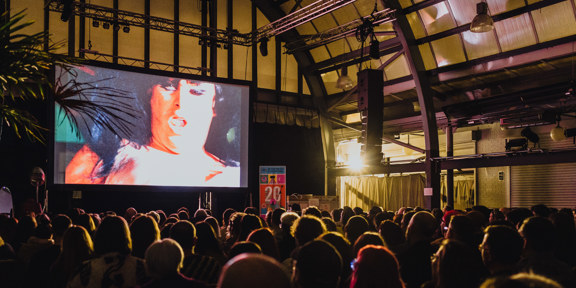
x=309, y=248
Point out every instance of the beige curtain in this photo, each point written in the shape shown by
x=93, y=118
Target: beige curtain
x=390, y=193
x=464, y=191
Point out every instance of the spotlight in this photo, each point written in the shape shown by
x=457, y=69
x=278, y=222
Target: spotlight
x=67, y=9
x=570, y=132
x=482, y=22
x=531, y=136
x=95, y=24
x=126, y=29
x=116, y=27
x=516, y=144
x=374, y=49
x=106, y=25
x=264, y=47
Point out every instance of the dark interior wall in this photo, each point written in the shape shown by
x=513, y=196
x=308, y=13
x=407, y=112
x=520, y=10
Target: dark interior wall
x=297, y=148
x=19, y=155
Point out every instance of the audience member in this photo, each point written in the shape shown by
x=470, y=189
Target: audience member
x=312, y=210
x=154, y=216
x=265, y=239
x=251, y=211
x=355, y=227
x=285, y=240
x=376, y=266
x=38, y=271
x=276, y=220
x=225, y=222
x=516, y=216
x=463, y=229
x=128, y=214
x=540, y=210
x=414, y=257
x=214, y=223
x=144, y=231
x=40, y=239
x=538, y=257
x=345, y=215
x=330, y=224
x=249, y=223
x=86, y=221
x=199, y=215
x=368, y=238
x=344, y=248
x=456, y=265
x=307, y=228
x=164, y=258
x=566, y=235
x=375, y=210
x=77, y=247
x=317, y=264
x=521, y=280
x=253, y=271
x=114, y=266
x=501, y=250
x=195, y=266
x=392, y=235
x=406, y=217
x=233, y=231
x=336, y=213
x=241, y=247
x=208, y=245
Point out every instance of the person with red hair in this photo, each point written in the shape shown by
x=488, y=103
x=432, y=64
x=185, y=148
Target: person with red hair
x=376, y=266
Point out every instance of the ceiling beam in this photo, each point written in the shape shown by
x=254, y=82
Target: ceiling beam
x=537, y=157
x=503, y=159
x=386, y=47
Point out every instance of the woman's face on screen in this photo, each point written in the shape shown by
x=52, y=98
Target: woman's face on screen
x=182, y=112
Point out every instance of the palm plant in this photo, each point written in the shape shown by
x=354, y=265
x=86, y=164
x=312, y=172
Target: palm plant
x=25, y=76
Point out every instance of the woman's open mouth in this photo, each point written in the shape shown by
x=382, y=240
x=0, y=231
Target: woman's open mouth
x=177, y=122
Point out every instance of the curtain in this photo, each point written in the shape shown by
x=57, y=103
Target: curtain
x=390, y=193
x=464, y=191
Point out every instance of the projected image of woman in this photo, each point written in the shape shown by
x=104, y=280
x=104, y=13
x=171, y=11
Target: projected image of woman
x=181, y=114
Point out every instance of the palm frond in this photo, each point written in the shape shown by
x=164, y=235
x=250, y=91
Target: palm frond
x=24, y=72
x=22, y=123
x=25, y=63
x=88, y=104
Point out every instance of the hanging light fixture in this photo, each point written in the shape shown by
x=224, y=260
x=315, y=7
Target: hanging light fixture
x=344, y=82
x=557, y=134
x=482, y=22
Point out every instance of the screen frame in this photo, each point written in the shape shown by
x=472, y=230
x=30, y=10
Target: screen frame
x=149, y=188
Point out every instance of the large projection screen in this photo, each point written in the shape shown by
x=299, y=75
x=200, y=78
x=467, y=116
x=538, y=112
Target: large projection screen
x=149, y=130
